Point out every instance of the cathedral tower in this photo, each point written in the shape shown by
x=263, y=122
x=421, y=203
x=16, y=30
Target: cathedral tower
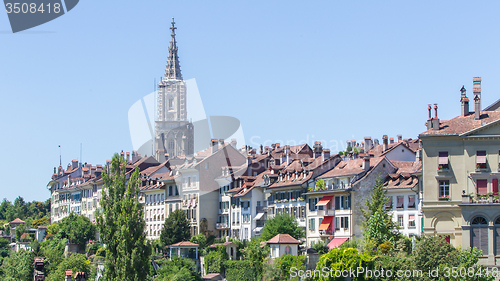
x=174, y=134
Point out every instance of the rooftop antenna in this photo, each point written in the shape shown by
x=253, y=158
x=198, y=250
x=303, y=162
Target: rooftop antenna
x=60, y=158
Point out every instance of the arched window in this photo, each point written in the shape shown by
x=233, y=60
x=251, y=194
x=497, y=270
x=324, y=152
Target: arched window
x=496, y=233
x=288, y=250
x=479, y=234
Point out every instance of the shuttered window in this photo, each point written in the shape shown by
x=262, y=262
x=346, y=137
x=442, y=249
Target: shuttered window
x=479, y=234
x=496, y=233
x=494, y=184
x=482, y=186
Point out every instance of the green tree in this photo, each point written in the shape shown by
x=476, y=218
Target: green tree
x=201, y=240
x=53, y=251
x=214, y=261
x=121, y=224
x=255, y=254
x=175, y=229
x=40, y=222
x=281, y=224
x=321, y=247
x=19, y=266
x=178, y=269
x=340, y=259
x=377, y=201
x=281, y=268
x=376, y=228
x=77, y=228
x=320, y=185
x=75, y=262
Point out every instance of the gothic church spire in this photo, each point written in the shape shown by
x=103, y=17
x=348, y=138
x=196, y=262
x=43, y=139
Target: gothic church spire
x=173, y=70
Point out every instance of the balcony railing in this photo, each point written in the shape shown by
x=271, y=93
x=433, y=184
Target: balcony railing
x=326, y=232
x=480, y=199
x=220, y=225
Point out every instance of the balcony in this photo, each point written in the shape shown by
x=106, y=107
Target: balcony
x=326, y=232
x=323, y=213
x=221, y=225
x=475, y=199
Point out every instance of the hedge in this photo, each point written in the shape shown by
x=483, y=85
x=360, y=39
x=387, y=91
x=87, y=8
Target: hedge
x=240, y=271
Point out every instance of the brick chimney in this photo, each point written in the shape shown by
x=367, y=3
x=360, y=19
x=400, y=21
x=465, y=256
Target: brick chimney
x=366, y=163
x=317, y=149
x=376, y=142
x=464, y=100
x=128, y=157
x=214, y=146
x=385, y=143
x=400, y=138
x=476, y=90
x=391, y=140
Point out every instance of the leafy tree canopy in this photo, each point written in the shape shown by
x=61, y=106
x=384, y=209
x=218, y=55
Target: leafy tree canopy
x=281, y=224
x=19, y=266
x=77, y=228
x=75, y=262
x=175, y=229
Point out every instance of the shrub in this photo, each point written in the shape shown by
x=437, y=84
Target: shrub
x=240, y=271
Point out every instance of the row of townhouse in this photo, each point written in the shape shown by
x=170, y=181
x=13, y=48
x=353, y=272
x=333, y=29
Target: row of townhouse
x=443, y=183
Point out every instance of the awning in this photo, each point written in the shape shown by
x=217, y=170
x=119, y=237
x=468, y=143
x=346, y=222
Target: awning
x=443, y=158
x=258, y=216
x=257, y=229
x=327, y=220
x=400, y=202
x=411, y=202
x=411, y=218
x=336, y=242
x=324, y=200
x=481, y=159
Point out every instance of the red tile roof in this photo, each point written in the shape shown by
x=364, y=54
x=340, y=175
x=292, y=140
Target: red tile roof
x=17, y=220
x=463, y=124
x=184, y=244
x=283, y=239
x=350, y=167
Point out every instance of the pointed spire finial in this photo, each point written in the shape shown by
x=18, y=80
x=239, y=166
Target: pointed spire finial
x=173, y=70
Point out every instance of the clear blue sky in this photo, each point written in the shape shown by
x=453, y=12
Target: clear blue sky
x=288, y=70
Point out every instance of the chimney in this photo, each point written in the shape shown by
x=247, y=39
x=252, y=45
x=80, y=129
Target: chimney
x=273, y=146
x=317, y=149
x=477, y=107
x=135, y=156
x=267, y=150
x=74, y=164
x=400, y=138
x=221, y=142
x=128, y=157
x=391, y=140
x=261, y=149
x=122, y=155
x=464, y=100
x=278, y=145
x=68, y=273
x=233, y=143
x=326, y=154
x=368, y=144
x=476, y=90
x=429, y=121
x=385, y=142
x=418, y=155
x=366, y=163
x=213, y=145
x=435, y=120
x=376, y=142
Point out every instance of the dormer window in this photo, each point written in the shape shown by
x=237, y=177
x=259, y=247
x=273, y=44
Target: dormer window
x=443, y=161
x=481, y=160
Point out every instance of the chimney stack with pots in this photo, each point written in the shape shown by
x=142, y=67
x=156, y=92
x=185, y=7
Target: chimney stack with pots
x=214, y=145
x=366, y=163
x=368, y=144
x=464, y=100
x=385, y=141
x=400, y=138
x=326, y=154
x=476, y=90
x=317, y=149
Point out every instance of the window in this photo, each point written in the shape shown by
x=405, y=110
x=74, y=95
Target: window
x=312, y=224
x=400, y=202
x=170, y=103
x=400, y=221
x=170, y=190
x=411, y=221
x=443, y=161
x=337, y=202
x=494, y=184
x=480, y=160
x=411, y=202
x=189, y=181
x=482, y=186
x=444, y=190
x=479, y=234
x=388, y=205
x=171, y=145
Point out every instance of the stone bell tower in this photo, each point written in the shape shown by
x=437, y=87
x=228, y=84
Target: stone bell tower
x=174, y=134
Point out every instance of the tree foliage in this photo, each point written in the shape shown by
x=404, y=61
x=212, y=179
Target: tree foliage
x=19, y=266
x=53, y=251
x=121, y=224
x=281, y=224
x=280, y=268
x=77, y=228
x=24, y=210
x=240, y=271
x=75, y=262
x=175, y=229
x=178, y=269
x=214, y=261
x=255, y=254
x=340, y=259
